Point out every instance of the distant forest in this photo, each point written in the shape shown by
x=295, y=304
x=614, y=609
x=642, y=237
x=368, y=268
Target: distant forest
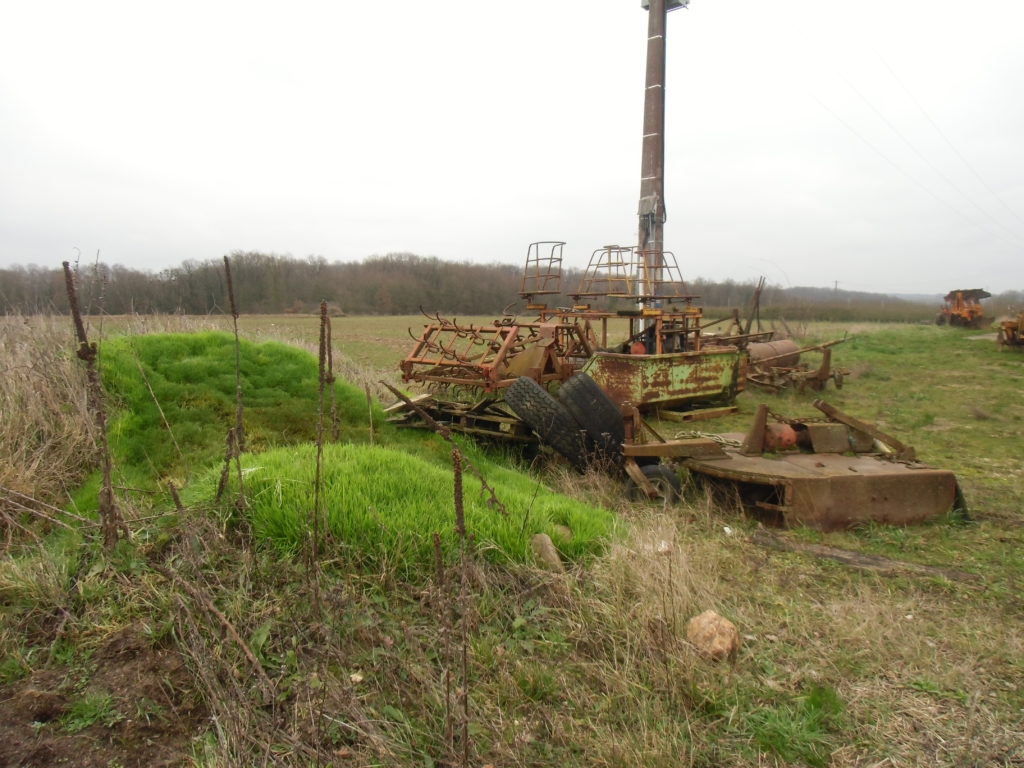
x=395, y=284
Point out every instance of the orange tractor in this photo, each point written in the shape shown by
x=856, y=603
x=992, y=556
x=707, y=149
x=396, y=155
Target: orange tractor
x=963, y=309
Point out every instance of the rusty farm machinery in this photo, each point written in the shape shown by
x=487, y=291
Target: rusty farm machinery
x=581, y=378
x=776, y=365
x=1011, y=332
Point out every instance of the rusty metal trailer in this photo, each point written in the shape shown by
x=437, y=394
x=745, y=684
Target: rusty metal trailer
x=828, y=473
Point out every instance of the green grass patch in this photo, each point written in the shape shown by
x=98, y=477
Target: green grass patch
x=800, y=730
x=173, y=399
x=95, y=708
x=382, y=506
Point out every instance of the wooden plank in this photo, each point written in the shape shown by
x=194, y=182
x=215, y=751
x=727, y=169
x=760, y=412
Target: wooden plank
x=697, y=447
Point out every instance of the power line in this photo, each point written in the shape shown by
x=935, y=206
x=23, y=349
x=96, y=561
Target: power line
x=893, y=163
x=949, y=143
x=928, y=162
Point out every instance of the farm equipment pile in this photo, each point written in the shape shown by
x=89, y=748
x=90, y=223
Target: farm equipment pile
x=664, y=361
x=580, y=379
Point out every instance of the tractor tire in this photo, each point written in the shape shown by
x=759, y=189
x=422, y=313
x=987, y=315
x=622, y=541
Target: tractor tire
x=663, y=478
x=597, y=413
x=548, y=418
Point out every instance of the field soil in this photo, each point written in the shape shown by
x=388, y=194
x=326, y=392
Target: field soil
x=151, y=684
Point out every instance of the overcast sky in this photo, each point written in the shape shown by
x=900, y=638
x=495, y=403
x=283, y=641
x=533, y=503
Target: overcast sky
x=875, y=144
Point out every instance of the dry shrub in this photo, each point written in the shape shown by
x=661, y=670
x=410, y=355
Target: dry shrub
x=668, y=570
x=273, y=672
x=46, y=443
x=596, y=487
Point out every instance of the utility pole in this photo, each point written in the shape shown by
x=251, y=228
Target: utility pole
x=651, y=210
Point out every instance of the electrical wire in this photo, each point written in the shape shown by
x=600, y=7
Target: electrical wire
x=917, y=182
x=950, y=144
x=926, y=161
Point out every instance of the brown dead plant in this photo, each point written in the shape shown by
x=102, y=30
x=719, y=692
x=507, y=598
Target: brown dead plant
x=111, y=519
x=46, y=440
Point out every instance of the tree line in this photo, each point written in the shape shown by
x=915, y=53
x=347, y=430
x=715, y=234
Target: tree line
x=394, y=284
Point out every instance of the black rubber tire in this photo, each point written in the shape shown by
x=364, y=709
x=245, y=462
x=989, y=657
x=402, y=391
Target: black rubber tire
x=663, y=478
x=548, y=418
x=597, y=413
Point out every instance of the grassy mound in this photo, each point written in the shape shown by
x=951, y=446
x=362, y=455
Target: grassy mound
x=382, y=506
x=174, y=396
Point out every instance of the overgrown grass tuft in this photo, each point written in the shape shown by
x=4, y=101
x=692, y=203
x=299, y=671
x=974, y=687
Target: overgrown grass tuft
x=801, y=729
x=383, y=505
x=175, y=399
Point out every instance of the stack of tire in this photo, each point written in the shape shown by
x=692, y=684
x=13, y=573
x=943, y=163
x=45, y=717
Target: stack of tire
x=582, y=424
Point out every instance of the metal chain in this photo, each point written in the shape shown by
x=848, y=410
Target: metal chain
x=808, y=420
x=720, y=439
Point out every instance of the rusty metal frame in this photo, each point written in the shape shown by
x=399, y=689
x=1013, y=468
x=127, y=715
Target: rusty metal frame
x=492, y=357
x=542, y=275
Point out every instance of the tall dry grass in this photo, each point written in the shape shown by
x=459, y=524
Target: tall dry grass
x=46, y=440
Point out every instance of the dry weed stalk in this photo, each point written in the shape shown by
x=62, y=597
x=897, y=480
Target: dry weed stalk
x=335, y=419
x=369, y=408
x=239, y=421
x=175, y=496
x=230, y=448
x=12, y=502
x=111, y=519
x=313, y=545
x=444, y=611
x=238, y=439
x=460, y=529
